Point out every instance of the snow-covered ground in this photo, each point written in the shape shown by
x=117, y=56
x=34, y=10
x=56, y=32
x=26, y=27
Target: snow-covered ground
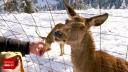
x=111, y=37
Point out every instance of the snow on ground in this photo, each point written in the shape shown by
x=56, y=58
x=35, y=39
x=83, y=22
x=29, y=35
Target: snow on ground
x=114, y=36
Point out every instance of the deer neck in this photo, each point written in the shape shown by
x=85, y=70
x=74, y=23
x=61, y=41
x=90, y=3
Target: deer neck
x=83, y=54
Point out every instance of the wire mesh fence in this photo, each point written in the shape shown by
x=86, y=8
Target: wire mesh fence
x=30, y=26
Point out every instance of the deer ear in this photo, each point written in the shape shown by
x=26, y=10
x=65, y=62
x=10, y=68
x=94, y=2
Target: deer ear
x=69, y=9
x=97, y=20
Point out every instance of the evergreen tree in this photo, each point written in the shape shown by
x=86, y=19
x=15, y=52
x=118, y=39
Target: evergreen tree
x=9, y=6
x=28, y=7
x=60, y=5
x=35, y=1
x=118, y=3
x=126, y=2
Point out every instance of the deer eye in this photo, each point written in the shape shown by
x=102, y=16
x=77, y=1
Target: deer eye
x=67, y=21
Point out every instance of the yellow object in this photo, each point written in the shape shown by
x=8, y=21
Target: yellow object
x=17, y=55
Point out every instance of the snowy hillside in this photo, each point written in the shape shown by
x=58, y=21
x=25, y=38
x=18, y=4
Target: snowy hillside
x=113, y=37
x=104, y=4
x=46, y=5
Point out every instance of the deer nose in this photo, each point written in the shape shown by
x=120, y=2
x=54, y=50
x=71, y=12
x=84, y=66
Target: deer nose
x=58, y=34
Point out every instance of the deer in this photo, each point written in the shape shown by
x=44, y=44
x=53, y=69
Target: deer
x=84, y=56
x=50, y=39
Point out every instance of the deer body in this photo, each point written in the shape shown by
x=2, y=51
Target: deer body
x=83, y=61
x=86, y=59
x=83, y=54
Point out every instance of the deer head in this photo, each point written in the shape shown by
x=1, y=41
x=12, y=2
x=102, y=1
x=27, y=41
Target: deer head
x=76, y=27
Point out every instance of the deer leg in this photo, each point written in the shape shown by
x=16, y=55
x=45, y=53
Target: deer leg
x=62, y=49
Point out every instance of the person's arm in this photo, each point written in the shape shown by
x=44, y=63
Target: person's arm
x=8, y=44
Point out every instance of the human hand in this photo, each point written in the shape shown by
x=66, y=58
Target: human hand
x=37, y=48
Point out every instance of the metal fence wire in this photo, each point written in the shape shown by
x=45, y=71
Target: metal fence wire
x=51, y=61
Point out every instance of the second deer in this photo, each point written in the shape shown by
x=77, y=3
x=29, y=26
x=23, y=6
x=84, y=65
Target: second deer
x=50, y=39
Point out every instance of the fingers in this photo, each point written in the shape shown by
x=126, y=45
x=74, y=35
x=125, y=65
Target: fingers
x=38, y=48
x=40, y=43
x=43, y=50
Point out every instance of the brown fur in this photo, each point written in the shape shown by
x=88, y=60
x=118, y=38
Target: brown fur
x=50, y=39
x=76, y=32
